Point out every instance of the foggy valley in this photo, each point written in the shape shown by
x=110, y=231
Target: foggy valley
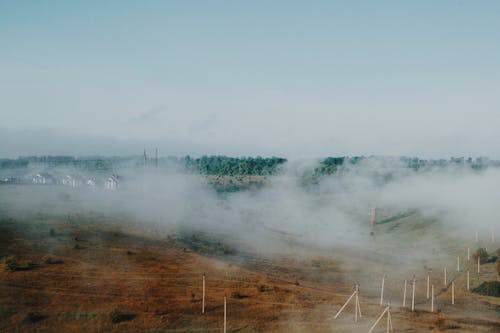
x=323, y=222
x=239, y=167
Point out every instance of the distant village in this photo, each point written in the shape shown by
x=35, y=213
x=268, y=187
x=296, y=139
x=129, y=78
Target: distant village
x=107, y=172
x=53, y=175
x=110, y=183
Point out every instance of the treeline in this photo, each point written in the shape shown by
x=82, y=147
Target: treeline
x=223, y=165
x=85, y=164
x=206, y=165
x=478, y=164
x=331, y=165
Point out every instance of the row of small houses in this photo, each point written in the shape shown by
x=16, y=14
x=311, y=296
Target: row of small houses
x=111, y=183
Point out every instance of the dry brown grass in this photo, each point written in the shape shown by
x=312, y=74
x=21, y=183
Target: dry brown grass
x=131, y=284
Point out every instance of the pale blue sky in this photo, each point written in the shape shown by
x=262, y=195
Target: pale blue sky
x=288, y=78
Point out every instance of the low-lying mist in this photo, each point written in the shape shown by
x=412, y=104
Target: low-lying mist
x=328, y=212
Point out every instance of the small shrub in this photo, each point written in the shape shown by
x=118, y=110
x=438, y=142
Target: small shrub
x=161, y=312
x=491, y=259
x=34, y=317
x=489, y=288
x=52, y=261
x=239, y=295
x=227, y=249
x=11, y=263
x=118, y=316
x=264, y=288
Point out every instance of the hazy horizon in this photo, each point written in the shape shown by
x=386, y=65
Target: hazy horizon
x=284, y=79
x=96, y=238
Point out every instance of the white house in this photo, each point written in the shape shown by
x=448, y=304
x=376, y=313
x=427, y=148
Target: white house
x=43, y=178
x=69, y=181
x=91, y=182
x=111, y=184
x=9, y=180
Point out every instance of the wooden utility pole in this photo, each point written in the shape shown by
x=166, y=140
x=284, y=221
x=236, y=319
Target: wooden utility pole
x=453, y=292
x=389, y=320
x=428, y=284
x=413, y=295
x=203, y=296
x=357, y=310
x=404, y=296
x=382, y=291
x=432, y=299
x=225, y=310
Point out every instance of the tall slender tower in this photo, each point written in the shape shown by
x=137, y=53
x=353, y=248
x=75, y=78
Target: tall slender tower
x=145, y=158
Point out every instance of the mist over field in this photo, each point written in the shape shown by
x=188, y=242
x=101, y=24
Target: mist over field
x=327, y=211
x=258, y=166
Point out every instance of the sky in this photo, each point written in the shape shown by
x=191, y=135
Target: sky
x=286, y=78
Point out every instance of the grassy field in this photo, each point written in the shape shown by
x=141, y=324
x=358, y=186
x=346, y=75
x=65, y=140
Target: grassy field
x=91, y=271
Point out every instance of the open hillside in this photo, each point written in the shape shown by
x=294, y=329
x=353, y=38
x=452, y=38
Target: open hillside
x=101, y=272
